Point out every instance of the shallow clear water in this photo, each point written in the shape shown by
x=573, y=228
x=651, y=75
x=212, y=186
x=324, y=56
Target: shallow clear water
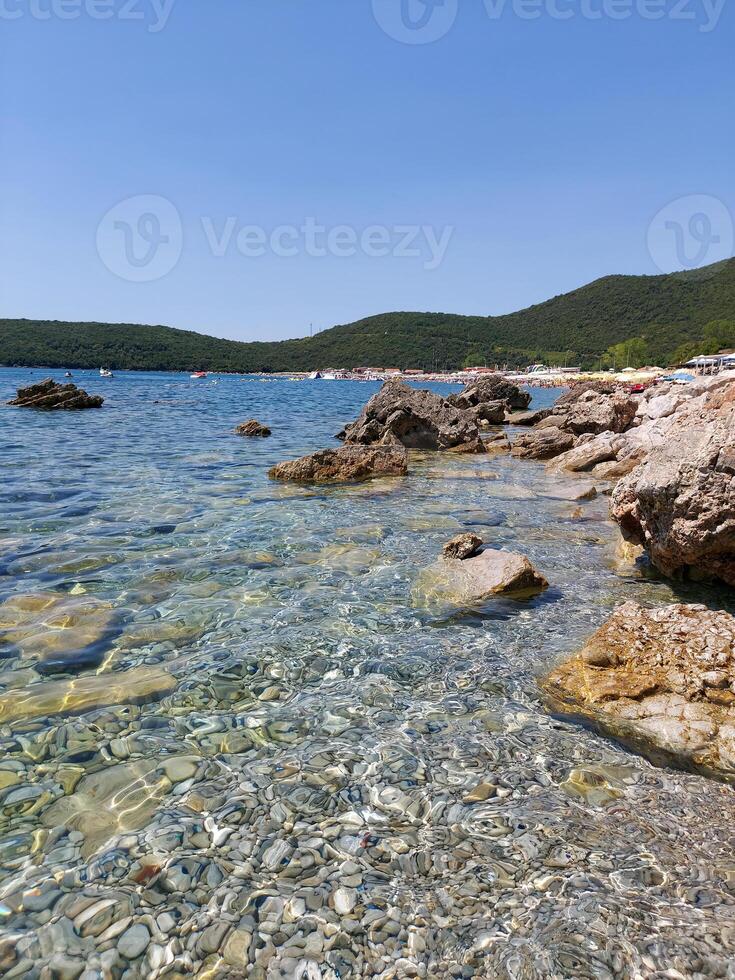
x=217, y=688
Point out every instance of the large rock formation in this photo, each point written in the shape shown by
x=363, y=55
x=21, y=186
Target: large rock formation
x=416, y=419
x=50, y=395
x=492, y=388
x=347, y=464
x=679, y=502
x=475, y=579
x=662, y=679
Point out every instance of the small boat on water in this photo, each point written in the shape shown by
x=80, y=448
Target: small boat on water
x=68, y=374
x=197, y=375
x=104, y=373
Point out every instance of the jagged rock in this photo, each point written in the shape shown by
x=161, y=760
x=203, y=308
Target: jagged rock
x=488, y=413
x=679, y=503
x=661, y=679
x=50, y=395
x=491, y=389
x=596, y=413
x=474, y=579
x=344, y=465
x=417, y=419
x=586, y=454
x=253, y=428
x=463, y=546
x=542, y=443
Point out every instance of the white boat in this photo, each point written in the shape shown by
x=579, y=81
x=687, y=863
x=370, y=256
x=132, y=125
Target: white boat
x=104, y=373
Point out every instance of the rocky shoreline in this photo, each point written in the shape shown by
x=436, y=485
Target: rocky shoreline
x=667, y=458
x=163, y=820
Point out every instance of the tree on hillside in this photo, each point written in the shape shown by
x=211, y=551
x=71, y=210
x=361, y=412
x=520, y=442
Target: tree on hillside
x=629, y=353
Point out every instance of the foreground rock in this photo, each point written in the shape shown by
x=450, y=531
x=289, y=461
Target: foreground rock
x=463, y=546
x=345, y=465
x=50, y=395
x=74, y=696
x=490, y=573
x=253, y=428
x=662, y=679
x=416, y=419
x=679, y=503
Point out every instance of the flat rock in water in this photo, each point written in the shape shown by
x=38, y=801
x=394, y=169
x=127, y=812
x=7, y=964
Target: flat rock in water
x=345, y=465
x=661, y=679
x=49, y=395
x=141, y=684
x=487, y=574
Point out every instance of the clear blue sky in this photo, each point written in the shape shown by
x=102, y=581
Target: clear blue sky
x=546, y=146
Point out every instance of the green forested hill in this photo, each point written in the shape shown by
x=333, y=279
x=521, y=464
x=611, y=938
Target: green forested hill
x=661, y=314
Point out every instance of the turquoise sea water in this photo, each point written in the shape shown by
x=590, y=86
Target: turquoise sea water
x=260, y=658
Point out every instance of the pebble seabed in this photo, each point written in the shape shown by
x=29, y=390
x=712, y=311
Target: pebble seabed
x=237, y=740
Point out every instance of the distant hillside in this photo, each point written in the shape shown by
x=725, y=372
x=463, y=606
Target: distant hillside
x=655, y=317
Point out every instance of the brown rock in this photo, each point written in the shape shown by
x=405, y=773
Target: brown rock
x=253, y=428
x=492, y=388
x=416, y=418
x=679, y=503
x=345, y=465
x=543, y=443
x=660, y=679
x=463, y=546
x=50, y=395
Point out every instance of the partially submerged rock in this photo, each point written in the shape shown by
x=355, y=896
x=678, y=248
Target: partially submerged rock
x=489, y=573
x=496, y=442
x=463, y=546
x=492, y=388
x=50, y=395
x=532, y=417
x=253, y=428
x=344, y=465
x=414, y=418
x=662, y=679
